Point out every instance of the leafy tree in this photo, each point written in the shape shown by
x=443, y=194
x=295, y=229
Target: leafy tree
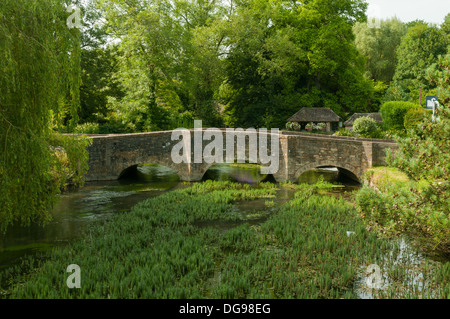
x=438, y=74
x=98, y=64
x=98, y=67
x=39, y=81
x=379, y=46
x=445, y=27
x=94, y=33
x=285, y=55
x=416, y=22
x=251, y=62
x=205, y=72
x=146, y=52
x=419, y=49
x=168, y=61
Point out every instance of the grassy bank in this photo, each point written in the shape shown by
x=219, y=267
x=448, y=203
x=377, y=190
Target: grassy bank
x=171, y=246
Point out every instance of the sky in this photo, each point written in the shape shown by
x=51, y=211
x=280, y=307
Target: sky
x=433, y=11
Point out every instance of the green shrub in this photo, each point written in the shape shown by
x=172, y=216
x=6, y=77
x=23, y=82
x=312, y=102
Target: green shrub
x=393, y=114
x=414, y=117
x=70, y=159
x=365, y=126
x=344, y=132
x=393, y=133
x=395, y=204
x=374, y=206
x=87, y=128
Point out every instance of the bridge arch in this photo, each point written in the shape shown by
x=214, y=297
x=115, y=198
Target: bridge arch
x=149, y=172
x=125, y=163
x=349, y=171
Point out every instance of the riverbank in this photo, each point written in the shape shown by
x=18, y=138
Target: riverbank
x=194, y=243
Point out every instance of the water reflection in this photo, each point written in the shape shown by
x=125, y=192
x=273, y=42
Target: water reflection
x=149, y=173
x=402, y=258
x=312, y=176
x=332, y=175
x=241, y=173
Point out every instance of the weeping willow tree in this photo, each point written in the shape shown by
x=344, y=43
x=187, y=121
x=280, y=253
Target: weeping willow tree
x=39, y=83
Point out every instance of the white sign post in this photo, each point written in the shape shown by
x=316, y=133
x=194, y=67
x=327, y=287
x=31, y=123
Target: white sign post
x=435, y=107
x=433, y=104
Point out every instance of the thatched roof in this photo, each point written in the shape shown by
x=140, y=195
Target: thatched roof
x=314, y=114
x=375, y=116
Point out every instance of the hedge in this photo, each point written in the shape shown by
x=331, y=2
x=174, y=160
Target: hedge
x=393, y=113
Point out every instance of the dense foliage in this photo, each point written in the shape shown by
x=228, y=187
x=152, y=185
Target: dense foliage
x=245, y=63
x=419, y=49
x=415, y=117
x=427, y=155
x=294, y=56
x=39, y=81
x=422, y=207
x=379, y=46
x=155, y=65
x=70, y=160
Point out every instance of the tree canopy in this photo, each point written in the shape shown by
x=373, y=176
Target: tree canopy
x=250, y=63
x=247, y=62
x=419, y=49
x=379, y=46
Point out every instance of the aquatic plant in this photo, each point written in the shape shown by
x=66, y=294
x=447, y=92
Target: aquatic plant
x=160, y=250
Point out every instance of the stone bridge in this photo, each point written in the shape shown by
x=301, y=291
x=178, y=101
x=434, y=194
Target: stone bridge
x=111, y=155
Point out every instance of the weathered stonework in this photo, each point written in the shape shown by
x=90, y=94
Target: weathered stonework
x=110, y=155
